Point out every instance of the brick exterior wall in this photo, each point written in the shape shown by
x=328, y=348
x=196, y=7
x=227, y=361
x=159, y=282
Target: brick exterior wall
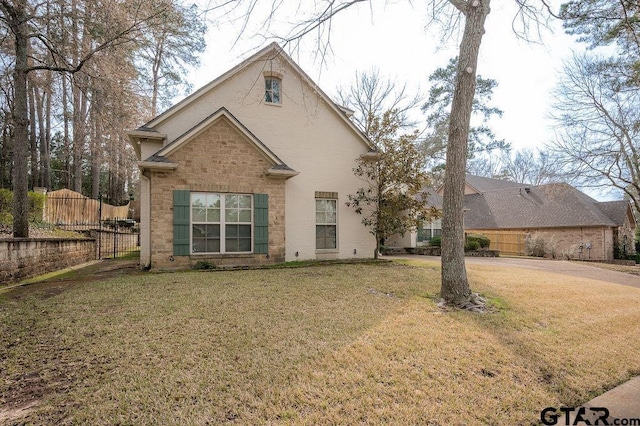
x=563, y=243
x=217, y=160
x=22, y=258
x=629, y=230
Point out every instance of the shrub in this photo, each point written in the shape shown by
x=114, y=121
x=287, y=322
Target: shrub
x=204, y=264
x=534, y=245
x=483, y=241
x=540, y=245
x=36, y=206
x=435, y=241
x=6, y=206
x=471, y=245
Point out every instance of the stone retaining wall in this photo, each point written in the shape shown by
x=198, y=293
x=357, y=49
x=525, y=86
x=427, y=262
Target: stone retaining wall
x=22, y=258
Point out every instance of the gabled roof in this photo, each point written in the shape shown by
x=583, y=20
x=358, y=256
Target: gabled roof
x=159, y=159
x=545, y=206
x=485, y=184
x=617, y=211
x=272, y=50
x=433, y=198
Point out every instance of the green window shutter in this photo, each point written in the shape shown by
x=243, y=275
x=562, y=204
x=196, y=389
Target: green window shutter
x=261, y=223
x=181, y=218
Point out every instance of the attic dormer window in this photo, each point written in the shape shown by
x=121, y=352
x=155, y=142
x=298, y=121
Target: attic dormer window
x=272, y=87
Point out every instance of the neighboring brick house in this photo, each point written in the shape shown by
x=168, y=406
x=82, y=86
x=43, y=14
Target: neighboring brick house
x=565, y=222
x=253, y=168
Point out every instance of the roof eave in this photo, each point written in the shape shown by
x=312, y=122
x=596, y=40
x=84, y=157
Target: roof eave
x=157, y=166
x=370, y=156
x=281, y=173
x=136, y=137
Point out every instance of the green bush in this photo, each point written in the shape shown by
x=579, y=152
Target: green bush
x=36, y=206
x=6, y=206
x=435, y=241
x=204, y=264
x=483, y=241
x=471, y=245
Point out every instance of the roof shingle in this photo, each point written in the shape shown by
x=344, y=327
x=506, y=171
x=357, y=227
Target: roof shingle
x=545, y=206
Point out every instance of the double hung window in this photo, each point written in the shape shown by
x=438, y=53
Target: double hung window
x=326, y=224
x=429, y=230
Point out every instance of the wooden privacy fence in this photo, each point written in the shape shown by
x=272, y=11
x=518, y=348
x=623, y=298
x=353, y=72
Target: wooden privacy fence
x=115, y=233
x=507, y=242
x=72, y=208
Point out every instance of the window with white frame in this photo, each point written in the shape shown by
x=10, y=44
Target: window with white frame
x=221, y=223
x=326, y=224
x=429, y=230
x=272, y=90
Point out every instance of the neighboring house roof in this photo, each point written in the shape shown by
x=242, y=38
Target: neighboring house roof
x=616, y=210
x=479, y=184
x=545, y=206
x=484, y=184
x=433, y=198
x=271, y=50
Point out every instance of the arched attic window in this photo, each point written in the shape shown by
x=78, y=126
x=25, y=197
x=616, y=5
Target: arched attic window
x=272, y=87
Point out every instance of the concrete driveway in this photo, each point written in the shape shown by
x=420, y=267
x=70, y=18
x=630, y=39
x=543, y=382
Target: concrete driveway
x=575, y=269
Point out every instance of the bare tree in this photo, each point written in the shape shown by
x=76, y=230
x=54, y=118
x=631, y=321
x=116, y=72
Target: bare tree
x=26, y=22
x=535, y=167
x=598, y=136
x=371, y=95
x=171, y=43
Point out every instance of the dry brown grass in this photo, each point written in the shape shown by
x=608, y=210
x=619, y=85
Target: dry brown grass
x=628, y=269
x=343, y=344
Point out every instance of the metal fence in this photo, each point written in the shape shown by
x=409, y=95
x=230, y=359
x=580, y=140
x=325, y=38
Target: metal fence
x=116, y=234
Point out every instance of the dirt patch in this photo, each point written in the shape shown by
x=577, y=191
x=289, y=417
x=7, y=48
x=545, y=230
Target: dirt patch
x=53, y=286
x=17, y=412
x=58, y=369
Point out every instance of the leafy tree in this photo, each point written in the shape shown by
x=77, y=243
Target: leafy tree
x=482, y=140
x=596, y=104
x=75, y=66
x=451, y=13
x=393, y=198
x=602, y=22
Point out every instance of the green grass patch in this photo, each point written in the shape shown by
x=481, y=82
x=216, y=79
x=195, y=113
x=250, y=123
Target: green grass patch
x=338, y=344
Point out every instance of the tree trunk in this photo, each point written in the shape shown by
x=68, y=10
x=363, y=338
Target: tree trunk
x=44, y=119
x=20, y=183
x=455, y=286
x=67, y=141
x=33, y=132
x=96, y=160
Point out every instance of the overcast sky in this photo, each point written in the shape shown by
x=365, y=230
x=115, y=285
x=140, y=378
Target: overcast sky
x=392, y=37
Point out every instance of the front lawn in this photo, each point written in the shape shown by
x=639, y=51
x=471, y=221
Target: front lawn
x=339, y=344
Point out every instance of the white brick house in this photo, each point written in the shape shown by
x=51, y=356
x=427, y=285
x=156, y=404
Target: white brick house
x=254, y=167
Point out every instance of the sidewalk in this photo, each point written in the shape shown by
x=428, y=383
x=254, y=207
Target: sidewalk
x=623, y=402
